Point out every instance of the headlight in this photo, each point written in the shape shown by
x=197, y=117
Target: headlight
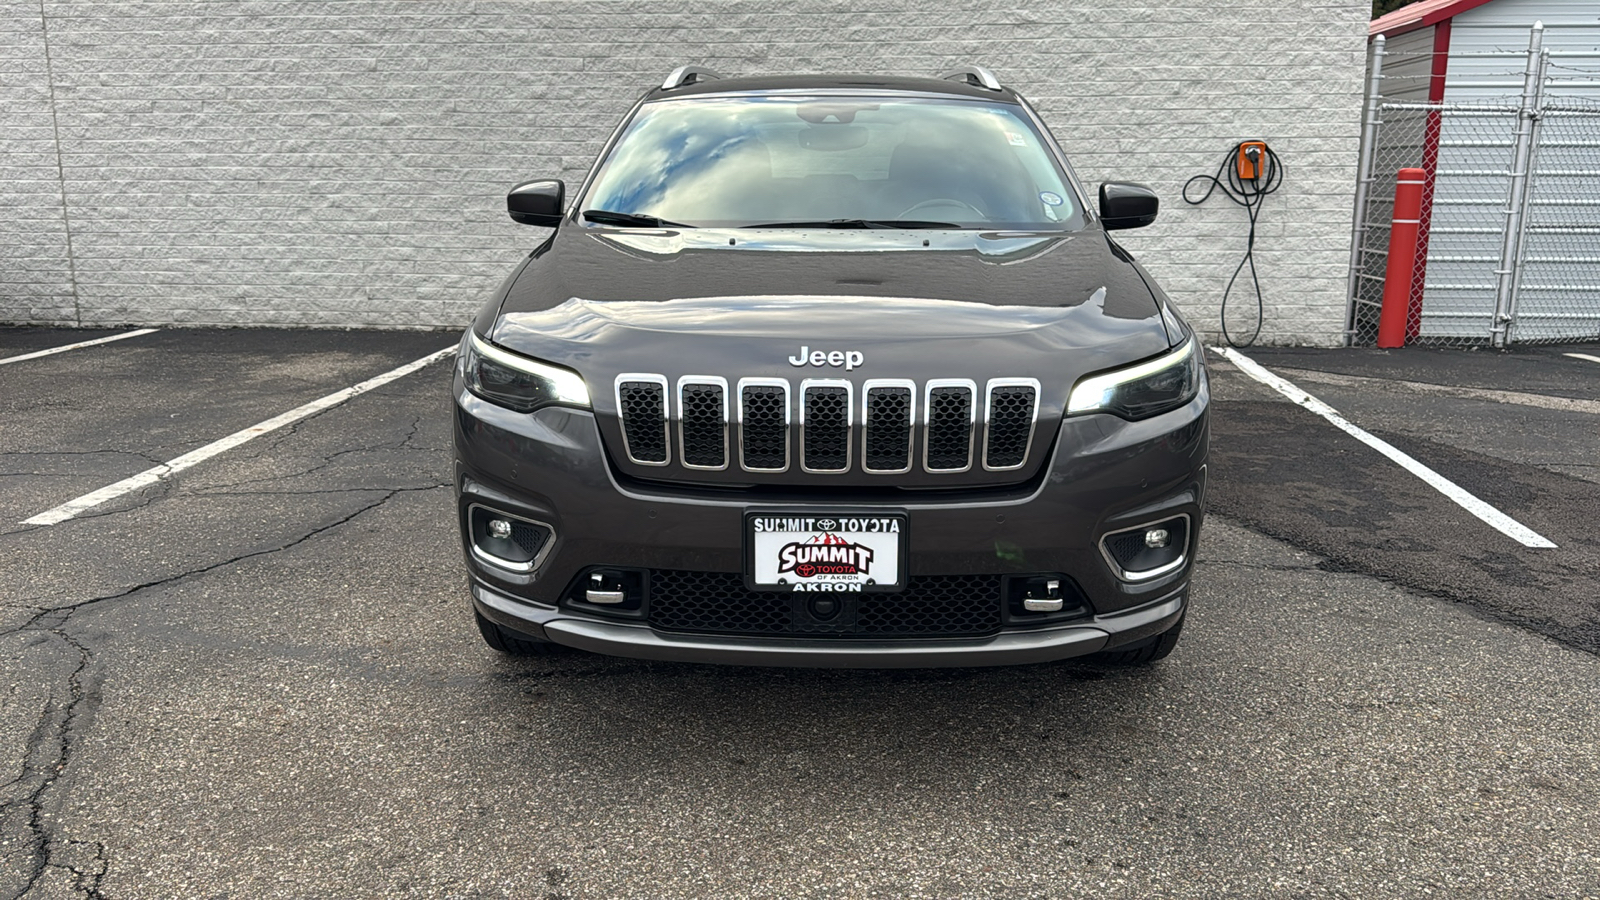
x=1147, y=389
x=517, y=382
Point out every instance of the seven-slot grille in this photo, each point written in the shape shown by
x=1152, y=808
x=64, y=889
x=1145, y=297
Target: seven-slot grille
x=642, y=403
x=888, y=418
x=959, y=426
x=703, y=422
x=825, y=426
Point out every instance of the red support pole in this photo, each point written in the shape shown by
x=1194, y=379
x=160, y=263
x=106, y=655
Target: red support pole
x=1403, y=234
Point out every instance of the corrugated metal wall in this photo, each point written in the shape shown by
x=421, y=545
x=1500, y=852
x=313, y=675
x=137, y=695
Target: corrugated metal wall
x=1488, y=53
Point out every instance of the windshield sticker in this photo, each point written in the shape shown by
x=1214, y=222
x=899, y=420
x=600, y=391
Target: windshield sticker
x=1051, y=199
x=1016, y=140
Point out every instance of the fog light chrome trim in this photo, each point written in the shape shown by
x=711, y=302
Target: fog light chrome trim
x=500, y=562
x=1158, y=571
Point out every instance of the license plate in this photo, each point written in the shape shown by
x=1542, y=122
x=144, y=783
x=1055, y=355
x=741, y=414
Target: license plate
x=825, y=552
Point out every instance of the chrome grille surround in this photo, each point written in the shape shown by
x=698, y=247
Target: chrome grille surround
x=688, y=419
x=989, y=421
x=750, y=437
x=812, y=392
x=936, y=414
x=871, y=427
x=762, y=411
x=666, y=431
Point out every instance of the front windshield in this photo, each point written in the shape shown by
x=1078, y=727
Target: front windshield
x=844, y=161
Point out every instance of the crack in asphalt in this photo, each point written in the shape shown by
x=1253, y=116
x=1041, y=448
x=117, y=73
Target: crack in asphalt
x=325, y=463
x=54, y=739
x=4, y=454
x=1584, y=638
x=47, y=754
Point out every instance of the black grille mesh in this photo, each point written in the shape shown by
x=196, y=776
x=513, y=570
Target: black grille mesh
x=763, y=430
x=946, y=604
x=714, y=602
x=1125, y=546
x=644, y=411
x=827, y=428
x=1010, y=425
x=886, y=446
x=529, y=537
x=949, y=428
x=719, y=603
x=704, y=426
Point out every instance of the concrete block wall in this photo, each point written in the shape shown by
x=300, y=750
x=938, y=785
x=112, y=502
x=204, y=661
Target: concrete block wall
x=344, y=162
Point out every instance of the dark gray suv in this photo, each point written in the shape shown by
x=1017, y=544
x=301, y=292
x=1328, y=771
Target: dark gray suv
x=831, y=371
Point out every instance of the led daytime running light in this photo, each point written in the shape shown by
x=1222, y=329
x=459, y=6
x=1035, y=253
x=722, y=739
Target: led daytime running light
x=1095, y=392
x=566, y=386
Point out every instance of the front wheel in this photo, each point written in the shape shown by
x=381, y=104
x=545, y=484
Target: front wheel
x=1143, y=652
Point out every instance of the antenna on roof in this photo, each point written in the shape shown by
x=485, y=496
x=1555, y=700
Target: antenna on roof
x=977, y=76
x=683, y=75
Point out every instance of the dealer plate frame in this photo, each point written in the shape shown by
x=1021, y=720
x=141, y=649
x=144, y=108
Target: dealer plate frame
x=748, y=535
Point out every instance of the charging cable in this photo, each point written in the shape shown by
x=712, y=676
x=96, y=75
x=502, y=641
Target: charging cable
x=1253, y=172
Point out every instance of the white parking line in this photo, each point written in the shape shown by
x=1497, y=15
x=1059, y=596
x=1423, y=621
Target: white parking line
x=54, y=350
x=150, y=476
x=1493, y=517
x=1584, y=356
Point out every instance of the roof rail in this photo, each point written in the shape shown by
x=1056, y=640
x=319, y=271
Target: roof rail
x=683, y=75
x=974, y=75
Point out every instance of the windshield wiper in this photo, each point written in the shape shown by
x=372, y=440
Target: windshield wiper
x=858, y=223
x=628, y=220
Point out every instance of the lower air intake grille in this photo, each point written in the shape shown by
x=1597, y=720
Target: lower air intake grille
x=949, y=428
x=714, y=602
x=705, y=426
x=1009, y=425
x=643, y=405
x=719, y=603
x=764, y=427
x=886, y=440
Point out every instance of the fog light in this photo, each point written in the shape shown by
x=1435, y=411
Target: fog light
x=1156, y=538
x=501, y=529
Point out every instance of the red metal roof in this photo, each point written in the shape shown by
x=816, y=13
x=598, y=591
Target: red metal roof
x=1420, y=15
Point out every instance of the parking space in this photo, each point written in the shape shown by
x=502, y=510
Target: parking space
x=1520, y=431
x=260, y=678
x=76, y=421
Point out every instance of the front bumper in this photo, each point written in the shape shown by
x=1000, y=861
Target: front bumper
x=1104, y=474
x=1004, y=649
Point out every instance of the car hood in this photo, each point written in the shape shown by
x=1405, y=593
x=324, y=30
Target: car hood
x=830, y=305
x=588, y=285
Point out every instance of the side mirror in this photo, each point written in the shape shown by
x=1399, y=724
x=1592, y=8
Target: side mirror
x=1127, y=205
x=536, y=203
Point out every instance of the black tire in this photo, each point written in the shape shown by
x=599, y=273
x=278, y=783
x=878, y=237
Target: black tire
x=514, y=643
x=1143, y=652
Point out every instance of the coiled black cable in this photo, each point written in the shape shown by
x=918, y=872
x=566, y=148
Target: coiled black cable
x=1248, y=193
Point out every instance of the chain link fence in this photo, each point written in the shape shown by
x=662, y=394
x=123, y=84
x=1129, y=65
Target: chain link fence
x=1509, y=231
x=1558, y=292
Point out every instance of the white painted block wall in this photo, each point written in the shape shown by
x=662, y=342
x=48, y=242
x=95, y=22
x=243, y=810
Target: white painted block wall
x=284, y=162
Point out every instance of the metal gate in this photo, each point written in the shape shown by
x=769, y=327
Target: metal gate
x=1509, y=250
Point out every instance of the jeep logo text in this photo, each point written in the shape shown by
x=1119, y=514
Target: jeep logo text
x=809, y=357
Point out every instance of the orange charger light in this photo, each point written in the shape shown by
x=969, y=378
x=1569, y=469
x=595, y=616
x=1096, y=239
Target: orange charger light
x=1252, y=158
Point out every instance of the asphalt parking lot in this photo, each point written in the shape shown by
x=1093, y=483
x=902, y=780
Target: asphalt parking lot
x=259, y=678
